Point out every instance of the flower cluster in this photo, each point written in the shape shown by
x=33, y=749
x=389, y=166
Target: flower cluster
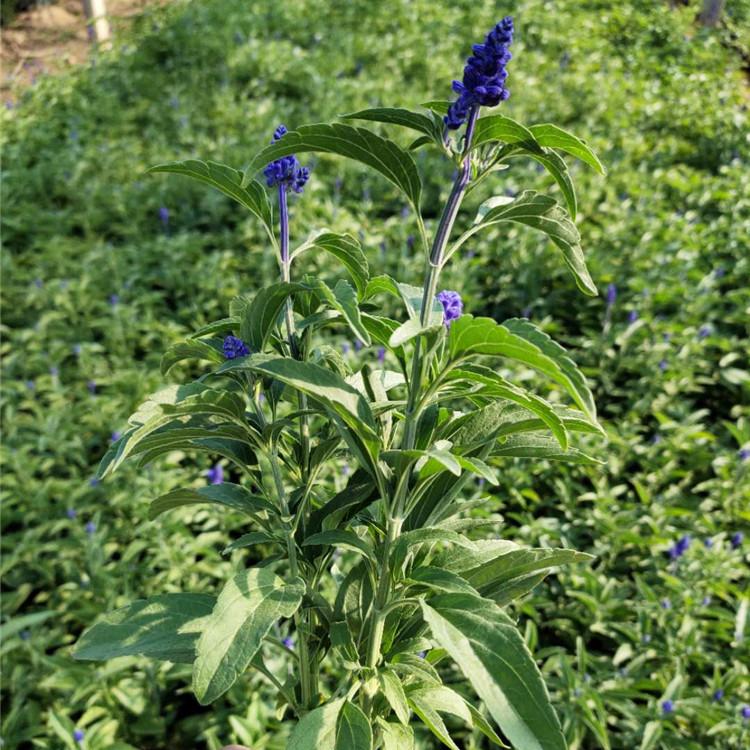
x=679, y=548
x=234, y=347
x=484, y=75
x=452, y=305
x=286, y=170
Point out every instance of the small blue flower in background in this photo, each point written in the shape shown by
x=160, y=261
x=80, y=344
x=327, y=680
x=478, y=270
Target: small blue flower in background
x=90, y=528
x=38, y=283
x=164, y=215
x=288, y=642
x=663, y=365
x=94, y=481
x=611, y=294
x=421, y=654
x=346, y=347
x=115, y=436
x=31, y=385
x=718, y=694
x=54, y=371
x=708, y=542
x=719, y=273
x=71, y=513
x=410, y=241
x=114, y=299
x=234, y=347
x=76, y=349
x=646, y=638
x=215, y=474
x=745, y=712
x=667, y=336
x=91, y=385
x=286, y=170
x=381, y=355
x=706, y=600
x=632, y=316
x=484, y=75
x=357, y=345
x=737, y=539
x=679, y=548
x=704, y=332
x=667, y=707
x=78, y=735
x=743, y=454
x=665, y=604
x=452, y=305
x=345, y=469
x=656, y=439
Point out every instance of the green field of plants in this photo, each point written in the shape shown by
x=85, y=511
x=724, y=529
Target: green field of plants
x=105, y=266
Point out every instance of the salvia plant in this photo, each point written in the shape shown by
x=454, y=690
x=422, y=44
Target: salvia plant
x=364, y=596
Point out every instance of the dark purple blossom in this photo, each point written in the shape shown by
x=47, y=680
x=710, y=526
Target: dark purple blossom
x=215, y=474
x=706, y=601
x=718, y=694
x=745, y=712
x=483, y=83
x=90, y=528
x=381, y=355
x=71, y=513
x=704, y=331
x=632, y=316
x=665, y=604
x=286, y=171
x=91, y=385
x=743, y=454
x=646, y=638
x=663, y=364
x=679, y=548
x=611, y=294
x=667, y=707
x=115, y=436
x=78, y=735
x=452, y=305
x=114, y=299
x=357, y=345
x=288, y=642
x=708, y=542
x=94, y=482
x=736, y=539
x=234, y=347
x=346, y=347
x=164, y=215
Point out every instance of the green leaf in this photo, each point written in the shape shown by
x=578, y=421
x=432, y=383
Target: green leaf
x=190, y=349
x=531, y=445
x=557, y=167
x=496, y=577
x=413, y=297
x=500, y=128
x=247, y=607
x=248, y=193
x=524, y=342
x=340, y=538
x=162, y=627
x=249, y=540
x=409, y=540
x=261, y=315
x=399, y=116
x=21, y=622
x=223, y=326
x=393, y=690
x=353, y=731
x=429, y=701
x=344, y=299
x=396, y=736
x=489, y=650
x=345, y=248
x=550, y=135
x=317, y=729
x=364, y=146
x=544, y=214
x=227, y=494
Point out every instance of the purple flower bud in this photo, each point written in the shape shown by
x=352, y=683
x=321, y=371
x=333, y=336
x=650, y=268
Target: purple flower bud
x=381, y=355
x=663, y=365
x=611, y=294
x=743, y=454
x=737, y=539
x=718, y=694
x=646, y=638
x=452, y=306
x=91, y=385
x=666, y=336
x=215, y=474
x=345, y=469
x=706, y=601
x=346, y=347
x=94, y=482
x=115, y=436
x=632, y=316
x=71, y=513
x=665, y=604
x=704, y=332
x=745, y=712
x=38, y=283
x=288, y=642
x=656, y=439
x=76, y=349
x=90, y=528
x=114, y=299
x=234, y=347
x=708, y=542
x=286, y=170
x=53, y=371
x=164, y=215
x=78, y=735
x=357, y=345
x=421, y=654
x=667, y=707
x=719, y=273
x=31, y=385
x=410, y=242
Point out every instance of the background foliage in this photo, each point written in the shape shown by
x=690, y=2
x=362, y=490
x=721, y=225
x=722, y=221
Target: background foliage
x=98, y=281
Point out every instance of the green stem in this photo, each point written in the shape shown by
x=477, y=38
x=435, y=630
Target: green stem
x=432, y=275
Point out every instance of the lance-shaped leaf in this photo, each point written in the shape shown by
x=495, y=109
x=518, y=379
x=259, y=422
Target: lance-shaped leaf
x=353, y=730
x=344, y=299
x=317, y=729
x=496, y=128
x=359, y=144
x=260, y=316
x=537, y=445
x=227, y=494
x=406, y=118
x=340, y=538
x=396, y=736
x=489, y=650
x=190, y=349
x=163, y=627
x=247, y=607
x=557, y=167
x=520, y=340
x=550, y=135
x=345, y=248
x=249, y=193
x=544, y=214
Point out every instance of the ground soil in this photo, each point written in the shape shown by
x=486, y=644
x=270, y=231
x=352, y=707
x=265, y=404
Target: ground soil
x=51, y=38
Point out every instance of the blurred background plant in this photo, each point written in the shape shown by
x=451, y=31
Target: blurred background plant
x=104, y=267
